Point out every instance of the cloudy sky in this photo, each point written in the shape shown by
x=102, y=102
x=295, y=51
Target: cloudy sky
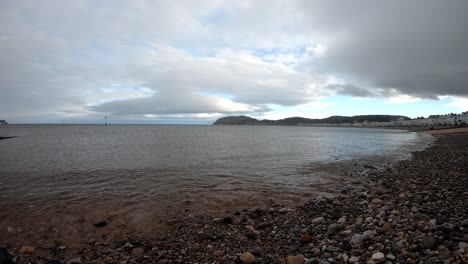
x=194, y=61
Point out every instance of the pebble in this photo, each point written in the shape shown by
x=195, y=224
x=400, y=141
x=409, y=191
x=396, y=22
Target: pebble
x=306, y=239
x=369, y=234
x=345, y=257
x=247, y=258
x=446, y=227
x=26, y=250
x=378, y=256
x=359, y=220
x=100, y=224
x=138, y=252
x=297, y=259
x=353, y=259
x=428, y=241
x=357, y=241
x=334, y=229
x=465, y=223
x=318, y=220
x=75, y=261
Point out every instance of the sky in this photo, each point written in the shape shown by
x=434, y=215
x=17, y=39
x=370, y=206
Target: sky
x=191, y=62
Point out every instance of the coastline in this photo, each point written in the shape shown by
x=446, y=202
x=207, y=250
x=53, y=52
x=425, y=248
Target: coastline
x=414, y=211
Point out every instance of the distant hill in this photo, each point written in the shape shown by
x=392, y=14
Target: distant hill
x=294, y=121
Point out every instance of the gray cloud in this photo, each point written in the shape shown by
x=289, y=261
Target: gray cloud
x=352, y=90
x=415, y=47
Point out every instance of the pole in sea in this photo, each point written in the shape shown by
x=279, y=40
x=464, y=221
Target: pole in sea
x=105, y=122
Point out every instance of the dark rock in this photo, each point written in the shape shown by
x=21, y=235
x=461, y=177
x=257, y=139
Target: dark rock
x=446, y=227
x=334, y=229
x=100, y=224
x=428, y=241
x=5, y=257
x=332, y=249
x=227, y=220
x=306, y=239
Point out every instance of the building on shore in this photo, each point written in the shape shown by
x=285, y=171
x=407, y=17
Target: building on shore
x=448, y=120
x=3, y=122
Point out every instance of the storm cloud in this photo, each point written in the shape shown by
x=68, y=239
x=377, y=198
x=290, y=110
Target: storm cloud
x=82, y=59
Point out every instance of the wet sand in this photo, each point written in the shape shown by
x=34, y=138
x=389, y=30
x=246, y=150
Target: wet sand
x=416, y=210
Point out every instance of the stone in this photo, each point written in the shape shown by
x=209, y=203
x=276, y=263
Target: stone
x=446, y=227
x=138, y=252
x=297, y=259
x=390, y=257
x=347, y=232
x=342, y=221
x=75, y=261
x=357, y=241
x=345, y=257
x=334, y=229
x=100, y=224
x=318, y=220
x=26, y=250
x=378, y=257
x=462, y=247
x=428, y=241
x=359, y=220
x=369, y=219
x=306, y=239
x=218, y=253
x=247, y=258
x=353, y=259
x=332, y=249
x=250, y=228
x=376, y=201
x=227, y=220
x=5, y=257
x=369, y=234
x=465, y=223
x=217, y=220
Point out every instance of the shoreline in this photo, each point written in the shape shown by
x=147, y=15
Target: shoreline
x=414, y=211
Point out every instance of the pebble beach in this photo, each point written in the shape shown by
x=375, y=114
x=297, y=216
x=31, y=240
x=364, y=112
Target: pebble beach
x=415, y=211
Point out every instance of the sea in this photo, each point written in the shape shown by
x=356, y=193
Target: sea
x=50, y=171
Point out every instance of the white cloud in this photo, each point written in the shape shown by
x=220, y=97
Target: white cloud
x=401, y=99
x=460, y=103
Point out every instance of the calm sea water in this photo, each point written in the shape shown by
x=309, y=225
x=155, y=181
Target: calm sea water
x=49, y=167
